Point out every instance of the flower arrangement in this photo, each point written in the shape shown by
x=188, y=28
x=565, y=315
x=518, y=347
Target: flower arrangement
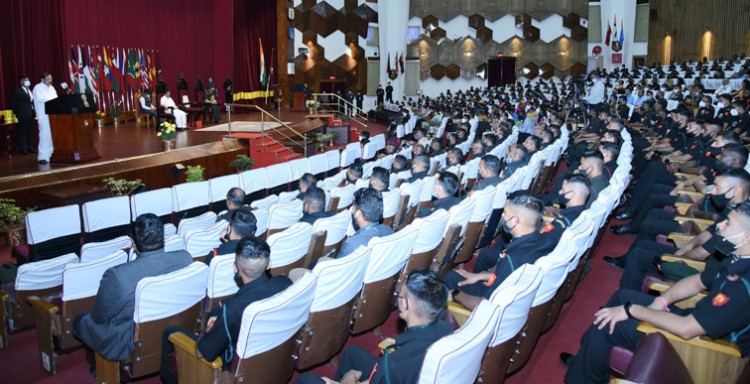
x=167, y=131
x=100, y=115
x=115, y=111
x=121, y=187
x=194, y=173
x=312, y=104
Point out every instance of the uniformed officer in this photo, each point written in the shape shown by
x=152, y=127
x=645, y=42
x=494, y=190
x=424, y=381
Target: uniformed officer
x=521, y=217
x=722, y=314
x=573, y=195
x=489, y=169
x=380, y=93
x=446, y=186
x=421, y=302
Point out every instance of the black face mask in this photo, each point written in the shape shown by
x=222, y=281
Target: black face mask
x=238, y=279
x=720, y=201
x=506, y=228
x=720, y=168
x=564, y=200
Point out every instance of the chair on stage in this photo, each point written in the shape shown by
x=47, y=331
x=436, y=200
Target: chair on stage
x=331, y=311
x=161, y=301
x=54, y=315
x=266, y=350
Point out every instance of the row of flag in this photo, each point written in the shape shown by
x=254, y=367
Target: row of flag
x=620, y=40
x=113, y=75
x=398, y=65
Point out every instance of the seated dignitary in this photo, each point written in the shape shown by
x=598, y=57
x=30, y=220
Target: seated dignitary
x=722, y=314
x=235, y=200
x=446, y=186
x=108, y=328
x=241, y=224
x=521, y=219
x=488, y=172
x=380, y=179
x=314, y=206
x=209, y=98
x=420, y=167
x=367, y=212
x=144, y=103
x=180, y=116
x=223, y=325
x=421, y=303
x=515, y=159
x=573, y=195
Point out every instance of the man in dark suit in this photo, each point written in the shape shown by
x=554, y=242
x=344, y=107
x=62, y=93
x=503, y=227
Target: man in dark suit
x=108, y=327
x=380, y=93
x=23, y=108
x=235, y=200
x=241, y=224
x=223, y=324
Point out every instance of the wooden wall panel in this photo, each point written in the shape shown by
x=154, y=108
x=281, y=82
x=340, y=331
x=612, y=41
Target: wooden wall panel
x=686, y=22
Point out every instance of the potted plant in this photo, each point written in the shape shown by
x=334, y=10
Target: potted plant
x=99, y=117
x=115, y=112
x=194, y=173
x=13, y=222
x=121, y=187
x=312, y=105
x=242, y=163
x=167, y=131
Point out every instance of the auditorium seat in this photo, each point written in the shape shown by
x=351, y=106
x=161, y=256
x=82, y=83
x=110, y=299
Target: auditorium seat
x=199, y=242
x=266, y=350
x=331, y=311
x=95, y=251
x=255, y=184
x=289, y=248
x=414, y=191
x=202, y=221
x=173, y=243
x=391, y=201
x=369, y=151
x=341, y=198
x=266, y=202
x=333, y=162
x=430, y=232
x=389, y=256
x=475, y=227
x=221, y=284
x=453, y=239
x=279, y=176
x=158, y=202
x=51, y=232
x=654, y=361
x=285, y=197
x=283, y=216
x=428, y=190
x=106, y=219
x=456, y=358
x=161, y=301
x=190, y=199
x=318, y=166
x=261, y=219
x=54, y=314
x=218, y=188
x=297, y=168
x=335, y=227
x=470, y=172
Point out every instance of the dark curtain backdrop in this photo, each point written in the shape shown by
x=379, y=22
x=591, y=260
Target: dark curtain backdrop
x=185, y=33
x=253, y=19
x=32, y=41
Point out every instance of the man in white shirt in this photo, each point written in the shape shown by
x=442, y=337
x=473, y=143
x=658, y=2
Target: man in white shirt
x=595, y=95
x=180, y=116
x=44, y=92
x=725, y=88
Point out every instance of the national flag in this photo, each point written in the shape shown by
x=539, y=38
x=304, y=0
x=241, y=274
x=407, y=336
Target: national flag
x=92, y=73
x=132, y=69
x=263, y=73
x=80, y=85
x=388, y=69
x=72, y=66
x=112, y=70
x=622, y=33
x=609, y=34
x=401, y=63
x=143, y=69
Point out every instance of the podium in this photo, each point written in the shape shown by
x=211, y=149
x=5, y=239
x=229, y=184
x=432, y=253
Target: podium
x=71, y=119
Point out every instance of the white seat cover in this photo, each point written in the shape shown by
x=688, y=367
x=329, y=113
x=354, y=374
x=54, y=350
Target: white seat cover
x=261, y=217
x=390, y=202
x=333, y=159
x=43, y=274
x=290, y=244
x=332, y=291
x=414, y=190
x=369, y=150
x=389, y=254
x=298, y=167
x=221, y=277
x=174, y=243
x=456, y=358
x=81, y=280
x=52, y=223
x=428, y=188
x=105, y=213
x=460, y=214
x=266, y=202
x=254, y=180
x=158, y=202
x=482, y=203
x=158, y=297
x=285, y=215
x=268, y=323
x=94, y=251
x=345, y=195
x=555, y=272
x=318, y=164
x=278, y=174
x=190, y=195
x=514, y=296
x=285, y=197
x=430, y=231
x=205, y=220
x=335, y=226
x=219, y=186
x=199, y=242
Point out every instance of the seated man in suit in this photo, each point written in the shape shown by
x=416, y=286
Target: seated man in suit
x=521, y=218
x=144, y=103
x=235, y=200
x=446, y=186
x=421, y=303
x=489, y=170
x=241, y=224
x=722, y=314
x=223, y=325
x=314, y=206
x=380, y=179
x=367, y=211
x=420, y=167
x=108, y=328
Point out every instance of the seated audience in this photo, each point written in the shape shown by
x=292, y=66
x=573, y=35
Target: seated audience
x=235, y=200
x=573, y=195
x=209, y=98
x=314, y=206
x=446, y=186
x=367, y=212
x=380, y=179
x=306, y=181
x=420, y=167
x=515, y=159
x=241, y=224
x=488, y=172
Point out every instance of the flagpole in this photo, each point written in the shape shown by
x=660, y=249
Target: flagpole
x=268, y=78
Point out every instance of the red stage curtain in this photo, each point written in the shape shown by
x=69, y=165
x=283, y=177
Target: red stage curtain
x=252, y=20
x=33, y=41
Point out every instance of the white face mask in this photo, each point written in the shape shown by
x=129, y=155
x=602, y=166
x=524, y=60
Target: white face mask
x=702, y=104
x=734, y=112
x=26, y=83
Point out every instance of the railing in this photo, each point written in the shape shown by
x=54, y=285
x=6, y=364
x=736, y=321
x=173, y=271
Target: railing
x=263, y=115
x=358, y=116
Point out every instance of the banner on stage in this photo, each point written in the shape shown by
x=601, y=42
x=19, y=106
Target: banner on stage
x=617, y=58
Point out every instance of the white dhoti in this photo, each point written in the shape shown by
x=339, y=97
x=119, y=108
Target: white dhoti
x=42, y=94
x=180, y=118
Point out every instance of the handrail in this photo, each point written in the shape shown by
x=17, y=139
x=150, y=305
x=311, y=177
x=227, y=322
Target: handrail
x=281, y=123
x=360, y=113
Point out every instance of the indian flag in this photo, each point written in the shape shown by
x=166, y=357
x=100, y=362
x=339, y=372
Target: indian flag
x=262, y=64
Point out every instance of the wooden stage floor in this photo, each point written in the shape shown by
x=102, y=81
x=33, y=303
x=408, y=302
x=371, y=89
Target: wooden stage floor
x=127, y=141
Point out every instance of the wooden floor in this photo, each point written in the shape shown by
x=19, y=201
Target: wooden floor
x=127, y=141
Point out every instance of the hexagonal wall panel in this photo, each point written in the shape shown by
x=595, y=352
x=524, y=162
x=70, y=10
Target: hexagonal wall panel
x=484, y=34
x=548, y=70
x=446, y=52
x=530, y=71
x=429, y=21
x=324, y=18
x=437, y=33
x=437, y=72
x=453, y=71
x=578, y=69
x=428, y=53
x=468, y=53
x=476, y=21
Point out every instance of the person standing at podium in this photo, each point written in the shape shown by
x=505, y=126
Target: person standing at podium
x=23, y=108
x=44, y=92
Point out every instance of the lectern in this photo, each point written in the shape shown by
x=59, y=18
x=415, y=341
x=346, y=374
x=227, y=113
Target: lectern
x=71, y=119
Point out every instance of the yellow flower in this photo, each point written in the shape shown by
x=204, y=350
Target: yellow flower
x=158, y=134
